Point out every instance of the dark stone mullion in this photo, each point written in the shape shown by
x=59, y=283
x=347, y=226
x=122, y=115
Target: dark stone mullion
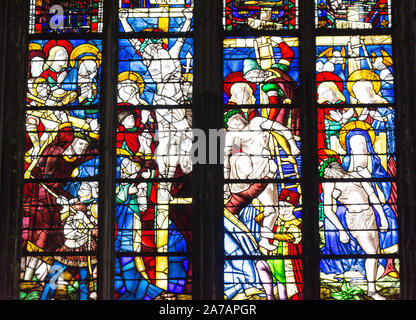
x=13, y=65
x=107, y=154
x=404, y=37
x=207, y=209
x=310, y=177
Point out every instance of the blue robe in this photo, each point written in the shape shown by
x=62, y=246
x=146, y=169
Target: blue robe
x=387, y=239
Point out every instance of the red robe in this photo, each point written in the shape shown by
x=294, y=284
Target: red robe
x=41, y=222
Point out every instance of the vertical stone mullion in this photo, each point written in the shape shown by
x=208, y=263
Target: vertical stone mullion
x=107, y=153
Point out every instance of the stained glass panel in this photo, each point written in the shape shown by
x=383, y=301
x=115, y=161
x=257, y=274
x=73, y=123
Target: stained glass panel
x=60, y=209
x=355, y=14
x=140, y=278
x=53, y=278
x=260, y=14
x=154, y=162
x=156, y=15
x=352, y=285
x=158, y=232
x=64, y=72
x=261, y=70
x=154, y=216
x=354, y=69
x=361, y=138
x=357, y=219
x=262, y=211
x=61, y=144
x=73, y=16
x=155, y=71
x=140, y=139
x=262, y=144
x=264, y=219
x=146, y=223
x=61, y=164
x=60, y=221
x=271, y=279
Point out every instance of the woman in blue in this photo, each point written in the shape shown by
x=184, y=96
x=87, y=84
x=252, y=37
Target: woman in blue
x=357, y=138
x=361, y=161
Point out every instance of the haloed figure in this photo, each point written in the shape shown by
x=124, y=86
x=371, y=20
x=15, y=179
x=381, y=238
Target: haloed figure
x=174, y=126
x=364, y=87
x=359, y=199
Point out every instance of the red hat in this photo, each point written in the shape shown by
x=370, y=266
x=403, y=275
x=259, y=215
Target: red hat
x=289, y=196
x=236, y=77
x=331, y=77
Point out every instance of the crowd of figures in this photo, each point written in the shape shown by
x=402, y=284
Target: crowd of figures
x=60, y=199
x=262, y=160
x=355, y=218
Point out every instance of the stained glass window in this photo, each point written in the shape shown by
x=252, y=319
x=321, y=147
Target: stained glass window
x=361, y=67
x=62, y=159
x=154, y=115
x=271, y=79
x=262, y=162
x=156, y=15
x=60, y=194
x=356, y=141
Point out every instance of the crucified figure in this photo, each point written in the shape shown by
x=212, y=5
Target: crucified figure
x=174, y=125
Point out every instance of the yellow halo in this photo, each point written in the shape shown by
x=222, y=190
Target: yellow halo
x=36, y=83
x=85, y=58
x=89, y=50
x=364, y=75
x=133, y=76
x=355, y=125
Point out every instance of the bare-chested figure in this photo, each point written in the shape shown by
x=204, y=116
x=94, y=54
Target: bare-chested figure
x=359, y=199
x=254, y=160
x=174, y=125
